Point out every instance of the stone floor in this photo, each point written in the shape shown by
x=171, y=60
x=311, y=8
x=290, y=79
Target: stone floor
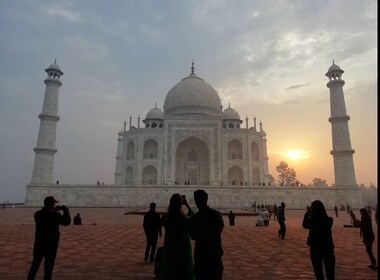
x=110, y=245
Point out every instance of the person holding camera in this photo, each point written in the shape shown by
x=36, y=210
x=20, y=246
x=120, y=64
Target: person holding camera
x=177, y=261
x=320, y=240
x=47, y=234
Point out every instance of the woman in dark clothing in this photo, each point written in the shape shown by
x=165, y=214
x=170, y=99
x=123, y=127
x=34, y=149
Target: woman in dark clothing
x=368, y=236
x=320, y=240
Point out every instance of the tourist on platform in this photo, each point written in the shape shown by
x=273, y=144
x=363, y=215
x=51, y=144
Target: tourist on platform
x=152, y=229
x=320, y=240
x=47, y=234
x=231, y=218
x=366, y=232
x=281, y=220
x=265, y=215
x=77, y=220
x=206, y=227
x=336, y=211
x=260, y=221
x=177, y=261
x=275, y=209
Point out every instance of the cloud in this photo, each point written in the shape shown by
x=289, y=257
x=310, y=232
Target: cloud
x=61, y=12
x=297, y=86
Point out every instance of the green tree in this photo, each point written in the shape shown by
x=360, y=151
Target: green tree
x=286, y=175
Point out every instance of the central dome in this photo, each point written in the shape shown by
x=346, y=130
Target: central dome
x=192, y=96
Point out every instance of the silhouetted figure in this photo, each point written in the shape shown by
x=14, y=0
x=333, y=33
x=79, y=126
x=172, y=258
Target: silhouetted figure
x=336, y=211
x=47, y=236
x=57, y=182
x=366, y=232
x=376, y=215
x=206, y=227
x=77, y=220
x=320, y=240
x=177, y=261
x=152, y=229
x=354, y=221
x=231, y=218
x=281, y=220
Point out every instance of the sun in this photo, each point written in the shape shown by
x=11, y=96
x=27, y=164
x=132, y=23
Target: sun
x=296, y=155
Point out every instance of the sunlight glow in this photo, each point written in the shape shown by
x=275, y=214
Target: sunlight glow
x=296, y=155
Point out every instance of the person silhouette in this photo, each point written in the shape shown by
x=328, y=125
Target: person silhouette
x=177, y=261
x=206, y=227
x=47, y=220
x=281, y=220
x=320, y=240
x=77, y=220
x=231, y=218
x=366, y=232
x=152, y=229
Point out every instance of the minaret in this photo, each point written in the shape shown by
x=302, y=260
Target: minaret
x=342, y=152
x=45, y=149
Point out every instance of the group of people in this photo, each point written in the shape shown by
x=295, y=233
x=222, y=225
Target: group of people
x=204, y=227
x=321, y=242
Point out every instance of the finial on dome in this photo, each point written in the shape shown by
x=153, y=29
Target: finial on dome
x=55, y=61
x=156, y=105
x=229, y=105
x=192, y=67
x=333, y=61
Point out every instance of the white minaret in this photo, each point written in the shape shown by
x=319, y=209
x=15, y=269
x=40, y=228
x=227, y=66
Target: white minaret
x=342, y=152
x=45, y=149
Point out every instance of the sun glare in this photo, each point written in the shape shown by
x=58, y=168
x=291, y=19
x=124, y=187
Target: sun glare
x=295, y=155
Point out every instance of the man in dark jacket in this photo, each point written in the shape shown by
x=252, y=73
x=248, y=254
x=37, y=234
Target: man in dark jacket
x=206, y=227
x=152, y=229
x=47, y=236
x=281, y=220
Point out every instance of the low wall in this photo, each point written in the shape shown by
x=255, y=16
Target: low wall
x=219, y=197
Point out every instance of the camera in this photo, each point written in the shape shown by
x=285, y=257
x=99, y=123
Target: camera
x=61, y=207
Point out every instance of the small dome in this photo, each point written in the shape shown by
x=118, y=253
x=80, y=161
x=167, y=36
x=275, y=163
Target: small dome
x=54, y=66
x=154, y=114
x=334, y=67
x=230, y=114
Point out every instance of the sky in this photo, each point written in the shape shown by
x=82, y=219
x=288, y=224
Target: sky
x=267, y=59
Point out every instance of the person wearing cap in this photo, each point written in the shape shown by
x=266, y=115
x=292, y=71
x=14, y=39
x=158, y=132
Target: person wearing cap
x=281, y=220
x=47, y=234
x=152, y=229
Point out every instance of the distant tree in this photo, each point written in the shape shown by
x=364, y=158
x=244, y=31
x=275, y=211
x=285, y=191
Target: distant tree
x=286, y=175
x=271, y=179
x=320, y=183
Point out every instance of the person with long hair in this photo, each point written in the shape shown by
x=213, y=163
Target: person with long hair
x=320, y=240
x=366, y=232
x=177, y=262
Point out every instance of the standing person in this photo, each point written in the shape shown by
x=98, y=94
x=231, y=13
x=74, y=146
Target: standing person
x=265, y=215
x=152, y=229
x=206, y=227
x=336, y=211
x=275, y=209
x=47, y=235
x=366, y=232
x=320, y=240
x=231, y=218
x=281, y=220
x=177, y=262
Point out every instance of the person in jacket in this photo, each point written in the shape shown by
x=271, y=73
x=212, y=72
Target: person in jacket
x=206, y=227
x=320, y=240
x=47, y=234
x=152, y=229
x=366, y=232
x=177, y=261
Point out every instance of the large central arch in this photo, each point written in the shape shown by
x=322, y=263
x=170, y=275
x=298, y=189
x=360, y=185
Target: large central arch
x=192, y=162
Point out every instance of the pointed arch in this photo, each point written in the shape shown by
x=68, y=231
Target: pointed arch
x=129, y=175
x=235, y=175
x=130, y=150
x=150, y=149
x=149, y=175
x=235, y=150
x=255, y=154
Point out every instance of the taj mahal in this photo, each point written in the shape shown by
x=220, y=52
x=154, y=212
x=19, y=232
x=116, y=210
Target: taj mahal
x=192, y=143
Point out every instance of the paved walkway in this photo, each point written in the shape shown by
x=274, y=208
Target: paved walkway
x=110, y=245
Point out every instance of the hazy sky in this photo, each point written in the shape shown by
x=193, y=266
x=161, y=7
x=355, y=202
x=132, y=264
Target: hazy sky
x=267, y=58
